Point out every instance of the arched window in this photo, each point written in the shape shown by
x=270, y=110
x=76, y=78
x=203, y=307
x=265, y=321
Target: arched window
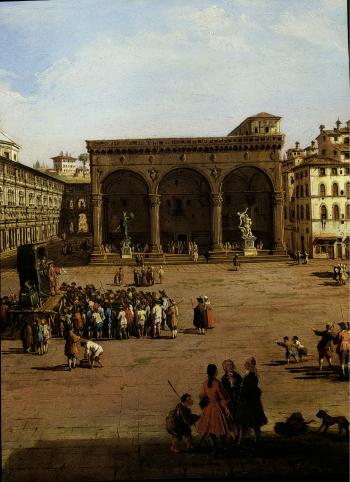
x=322, y=190
x=323, y=212
x=336, y=214
x=298, y=215
x=347, y=189
x=335, y=191
x=347, y=211
x=307, y=212
x=301, y=212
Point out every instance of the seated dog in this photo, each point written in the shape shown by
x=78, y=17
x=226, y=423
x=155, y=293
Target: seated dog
x=328, y=421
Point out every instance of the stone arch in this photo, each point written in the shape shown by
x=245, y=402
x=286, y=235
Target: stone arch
x=185, y=207
x=248, y=186
x=188, y=167
x=125, y=190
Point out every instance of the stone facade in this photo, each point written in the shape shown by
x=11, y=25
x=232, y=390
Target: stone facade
x=65, y=164
x=30, y=205
x=317, y=186
x=191, y=188
x=8, y=147
x=76, y=213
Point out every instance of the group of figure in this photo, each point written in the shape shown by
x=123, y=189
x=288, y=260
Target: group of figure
x=301, y=258
x=330, y=339
x=35, y=335
x=97, y=313
x=93, y=351
x=182, y=247
x=146, y=276
x=340, y=274
x=230, y=408
x=294, y=349
x=203, y=316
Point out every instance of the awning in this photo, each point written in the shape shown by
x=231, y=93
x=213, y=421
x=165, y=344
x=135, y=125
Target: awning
x=325, y=240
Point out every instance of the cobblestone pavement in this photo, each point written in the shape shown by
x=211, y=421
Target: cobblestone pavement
x=108, y=423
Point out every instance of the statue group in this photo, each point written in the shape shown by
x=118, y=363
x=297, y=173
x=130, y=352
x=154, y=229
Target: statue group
x=245, y=224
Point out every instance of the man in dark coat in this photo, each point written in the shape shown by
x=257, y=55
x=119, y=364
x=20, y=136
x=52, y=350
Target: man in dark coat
x=199, y=318
x=324, y=346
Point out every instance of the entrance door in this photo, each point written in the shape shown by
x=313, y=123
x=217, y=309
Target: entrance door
x=331, y=252
x=339, y=250
x=182, y=237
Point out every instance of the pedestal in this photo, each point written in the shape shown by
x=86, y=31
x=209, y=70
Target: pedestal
x=249, y=249
x=126, y=251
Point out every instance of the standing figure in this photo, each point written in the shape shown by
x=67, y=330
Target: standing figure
x=179, y=422
x=71, y=346
x=324, y=346
x=161, y=274
x=157, y=314
x=213, y=420
x=209, y=315
x=27, y=336
x=123, y=324
x=236, y=262
x=53, y=278
x=199, y=318
x=343, y=346
x=302, y=350
x=231, y=381
x=172, y=317
x=46, y=336
x=250, y=412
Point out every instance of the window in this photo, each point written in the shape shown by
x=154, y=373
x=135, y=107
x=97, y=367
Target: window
x=1, y=196
x=335, y=191
x=322, y=190
x=7, y=155
x=297, y=193
x=323, y=152
x=301, y=212
x=322, y=171
x=256, y=130
x=334, y=153
x=307, y=212
x=334, y=171
x=267, y=130
x=323, y=212
x=336, y=214
x=301, y=191
x=347, y=170
x=15, y=157
x=21, y=198
x=11, y=197
x=38, y=200
x=347, y=189
x=347, y=211
x=31, y=199
x=306, y=189
x=292, y=215
x=298, y=215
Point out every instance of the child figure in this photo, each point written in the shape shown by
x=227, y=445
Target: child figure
x=302, y=350
x=179, y=421
x=291, y=349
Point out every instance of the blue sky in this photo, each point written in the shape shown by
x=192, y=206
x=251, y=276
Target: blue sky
x=76, y=70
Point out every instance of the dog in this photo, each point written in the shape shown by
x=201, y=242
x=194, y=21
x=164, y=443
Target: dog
x=328, y=421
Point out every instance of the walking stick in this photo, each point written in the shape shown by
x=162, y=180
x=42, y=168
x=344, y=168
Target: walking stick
x=174, y=389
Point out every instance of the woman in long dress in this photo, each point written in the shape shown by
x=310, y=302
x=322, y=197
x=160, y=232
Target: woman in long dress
x=250, y=412
x=213, y=419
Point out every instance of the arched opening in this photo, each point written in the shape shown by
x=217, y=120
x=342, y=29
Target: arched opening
x=185, y=208
x=83, y=226
x=247, y=187
x=125, y=190
x=336, y=212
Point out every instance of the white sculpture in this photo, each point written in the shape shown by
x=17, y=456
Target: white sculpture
x=245, y=224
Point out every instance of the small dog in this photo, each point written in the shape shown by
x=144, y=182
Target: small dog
x=328, y=421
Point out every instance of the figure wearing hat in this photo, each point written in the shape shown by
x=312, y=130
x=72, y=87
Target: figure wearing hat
x=343, y=346
x=324, y=346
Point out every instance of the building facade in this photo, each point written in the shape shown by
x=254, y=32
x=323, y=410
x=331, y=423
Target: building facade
x=8, y=147
x=65, y=164
x=30, y=205
x=76, y=213
x=190, y=189
x=317, y=187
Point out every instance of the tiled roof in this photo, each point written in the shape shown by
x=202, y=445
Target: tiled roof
x=6, y=138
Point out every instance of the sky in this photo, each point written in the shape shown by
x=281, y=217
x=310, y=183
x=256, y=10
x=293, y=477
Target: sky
x=108, y=69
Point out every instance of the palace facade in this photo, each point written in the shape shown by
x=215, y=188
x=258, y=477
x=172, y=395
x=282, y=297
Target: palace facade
x=190, y=189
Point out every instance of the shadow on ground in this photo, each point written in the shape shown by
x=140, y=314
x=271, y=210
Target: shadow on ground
x=308, y=457
x=313, y=373
x=322, y=274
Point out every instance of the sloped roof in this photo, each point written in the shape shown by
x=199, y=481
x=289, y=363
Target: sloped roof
x=6, y=138
x=265, y=114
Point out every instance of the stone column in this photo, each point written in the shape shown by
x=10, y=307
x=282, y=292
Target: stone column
x=278, y=222
x=216, y=220
x=154, y=203
x=97, y=202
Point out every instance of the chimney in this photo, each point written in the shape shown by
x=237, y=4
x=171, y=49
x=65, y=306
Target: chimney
x=321, y=128
x=297, y=145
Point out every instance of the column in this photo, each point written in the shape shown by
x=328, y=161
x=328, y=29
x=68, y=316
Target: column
x=154, y=203
x=97, y=220
x=277, y=203
x=216, y=220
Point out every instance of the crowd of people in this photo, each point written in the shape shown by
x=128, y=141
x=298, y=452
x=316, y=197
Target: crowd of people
x=183, y=247
x=300, y=258
x=230, y=408
x=96, y=313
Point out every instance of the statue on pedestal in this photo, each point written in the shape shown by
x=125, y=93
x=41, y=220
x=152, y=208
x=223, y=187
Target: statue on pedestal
x=245, y=225
x=123, y=229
